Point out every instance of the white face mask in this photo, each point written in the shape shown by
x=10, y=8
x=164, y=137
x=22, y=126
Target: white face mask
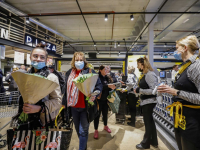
x=79, y=65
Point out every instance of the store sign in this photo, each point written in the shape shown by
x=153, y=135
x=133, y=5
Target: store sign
x=33, y=41
x=19, y=58
x=4, y=33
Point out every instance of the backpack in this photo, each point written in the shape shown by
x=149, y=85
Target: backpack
x=61, y=81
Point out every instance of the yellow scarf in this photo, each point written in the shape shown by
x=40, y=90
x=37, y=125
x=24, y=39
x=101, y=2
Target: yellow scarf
x=141, y=76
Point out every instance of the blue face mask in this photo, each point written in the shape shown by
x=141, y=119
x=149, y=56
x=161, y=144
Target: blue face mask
x=38, y=65
x=79, y=65
x=177, y=55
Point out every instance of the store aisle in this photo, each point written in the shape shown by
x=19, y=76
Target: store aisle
x=122, y=137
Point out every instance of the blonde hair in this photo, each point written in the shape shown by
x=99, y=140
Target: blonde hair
x=145, y=62
x=74, y=57
x=190, y=41
x=131, y=69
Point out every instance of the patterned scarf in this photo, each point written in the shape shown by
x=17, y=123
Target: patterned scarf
x=72, y=90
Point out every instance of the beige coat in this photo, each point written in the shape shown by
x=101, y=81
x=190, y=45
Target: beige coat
x=52, y=101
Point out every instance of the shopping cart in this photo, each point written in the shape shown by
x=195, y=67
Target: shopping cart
x=8, y=108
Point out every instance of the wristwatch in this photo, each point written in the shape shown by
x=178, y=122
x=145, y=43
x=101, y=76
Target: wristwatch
x=177, y=93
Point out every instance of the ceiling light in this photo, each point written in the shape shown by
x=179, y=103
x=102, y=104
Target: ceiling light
x=119, y=53
x=27, y=20
x=118, y=44
x=115, y=46
x=186, y=20
x=106, y=17
x=165, y=45
x=98, y=52
x=95, y=44
x=132, y=18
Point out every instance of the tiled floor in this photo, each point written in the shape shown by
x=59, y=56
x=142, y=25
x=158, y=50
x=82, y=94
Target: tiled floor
x=123, y=137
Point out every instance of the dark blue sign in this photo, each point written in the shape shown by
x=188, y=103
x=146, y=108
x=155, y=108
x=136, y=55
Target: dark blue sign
x=33, y=41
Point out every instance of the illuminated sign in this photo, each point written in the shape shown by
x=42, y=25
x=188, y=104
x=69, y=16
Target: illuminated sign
x=33, y=41
x=4, y=33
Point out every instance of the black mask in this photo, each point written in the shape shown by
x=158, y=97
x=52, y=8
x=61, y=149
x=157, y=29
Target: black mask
x=141, y=70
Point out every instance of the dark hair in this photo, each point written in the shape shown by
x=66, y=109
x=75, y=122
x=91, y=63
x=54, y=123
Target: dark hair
x=41, y=46
x=101, y=67
x=175, y=66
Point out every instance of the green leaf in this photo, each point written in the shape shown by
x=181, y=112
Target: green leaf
x=34, y=132
x=38, y=140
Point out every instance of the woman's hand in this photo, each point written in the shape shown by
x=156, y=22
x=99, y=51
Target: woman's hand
x=167, y=89
x=92, y=98
x=112, y=86
x=29, y=108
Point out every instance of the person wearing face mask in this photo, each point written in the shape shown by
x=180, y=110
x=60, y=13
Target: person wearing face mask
x=75, y=99
x=102, y=101
x=146, y=84
x=53, y=101
x=186, y=95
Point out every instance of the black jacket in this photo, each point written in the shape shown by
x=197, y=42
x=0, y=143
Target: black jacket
x=106, y=89
x=113, y=77
x=2, y=90
x=98, y=86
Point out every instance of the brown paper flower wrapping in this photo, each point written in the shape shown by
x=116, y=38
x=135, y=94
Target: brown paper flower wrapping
x=33, y=88
x=88, y=85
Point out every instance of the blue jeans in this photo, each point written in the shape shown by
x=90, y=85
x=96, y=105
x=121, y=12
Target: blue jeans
x=81, y=125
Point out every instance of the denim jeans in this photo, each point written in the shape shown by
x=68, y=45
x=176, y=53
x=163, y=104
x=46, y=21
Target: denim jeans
x=81, y=125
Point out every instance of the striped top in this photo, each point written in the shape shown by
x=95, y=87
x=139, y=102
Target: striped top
x=193, y=73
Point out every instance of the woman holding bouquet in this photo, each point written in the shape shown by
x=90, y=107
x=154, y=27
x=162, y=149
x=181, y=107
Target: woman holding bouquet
x=102, y=101
x=76, y=100
x=53, y=101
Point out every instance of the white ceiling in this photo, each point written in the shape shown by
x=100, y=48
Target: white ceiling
x=169, y=26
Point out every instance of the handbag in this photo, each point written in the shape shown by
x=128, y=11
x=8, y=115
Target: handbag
x=93, y=111
x=57, y=137
x=115, y=105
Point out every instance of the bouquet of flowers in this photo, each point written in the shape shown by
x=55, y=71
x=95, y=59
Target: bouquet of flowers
x=32, y=88
x=86, y=84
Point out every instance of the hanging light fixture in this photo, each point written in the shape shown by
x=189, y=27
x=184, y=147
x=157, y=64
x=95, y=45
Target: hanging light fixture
x=119, y=52
x=27, y=20
x=118, y=44
x=165, y=45
x=106, y=17
x=98, y=52
x=131, y=17
x=95, y=44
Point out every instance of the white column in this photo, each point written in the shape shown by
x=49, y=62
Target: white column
x=151, y=43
